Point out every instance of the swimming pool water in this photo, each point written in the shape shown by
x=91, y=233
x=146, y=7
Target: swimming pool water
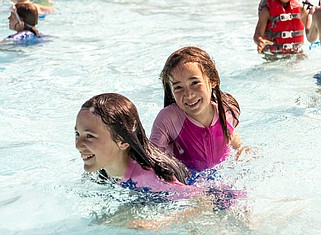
x=120, y=46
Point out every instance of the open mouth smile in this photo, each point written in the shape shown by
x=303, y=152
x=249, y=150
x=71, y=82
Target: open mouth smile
x=87, y=157
x=192, y=104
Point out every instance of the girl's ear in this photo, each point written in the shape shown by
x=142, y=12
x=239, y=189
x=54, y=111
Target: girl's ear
x=21, y=25
x=213, y=84
x=123, y=145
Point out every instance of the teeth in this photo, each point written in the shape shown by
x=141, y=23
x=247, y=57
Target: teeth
x=85, y=157
x=191, y=104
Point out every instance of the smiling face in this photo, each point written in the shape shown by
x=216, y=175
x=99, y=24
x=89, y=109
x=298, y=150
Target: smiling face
x=192, y=91
x=96, y=146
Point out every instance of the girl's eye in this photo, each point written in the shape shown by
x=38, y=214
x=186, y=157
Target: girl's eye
x=195, y=82
x=176, y=88
x=76, y=134
x=89, y=136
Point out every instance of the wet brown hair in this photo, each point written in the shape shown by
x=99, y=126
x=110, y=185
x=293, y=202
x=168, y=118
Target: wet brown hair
x=28, y=12
x=225, y=101
x=121, y=118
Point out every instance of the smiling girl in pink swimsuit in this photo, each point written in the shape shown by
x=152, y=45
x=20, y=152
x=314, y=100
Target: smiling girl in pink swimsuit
x=197, y=122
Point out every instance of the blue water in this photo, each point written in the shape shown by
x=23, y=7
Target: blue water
x=120, y=46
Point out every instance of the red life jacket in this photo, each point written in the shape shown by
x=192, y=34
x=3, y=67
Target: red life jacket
x=285, y=27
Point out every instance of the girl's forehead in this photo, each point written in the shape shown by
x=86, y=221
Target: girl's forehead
x=87, y=120
x=87, y=116
x=188, y=67
x=187, y=71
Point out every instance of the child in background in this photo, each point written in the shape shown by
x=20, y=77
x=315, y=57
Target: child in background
x=23, y=19
x=197, y=122
x=282, y=25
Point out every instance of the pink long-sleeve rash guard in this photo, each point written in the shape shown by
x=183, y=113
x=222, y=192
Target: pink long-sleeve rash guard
x=198, y=147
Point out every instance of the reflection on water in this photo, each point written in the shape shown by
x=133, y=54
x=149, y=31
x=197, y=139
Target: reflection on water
x=121, y=46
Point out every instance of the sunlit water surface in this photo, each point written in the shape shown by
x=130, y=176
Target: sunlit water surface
x=120, y=46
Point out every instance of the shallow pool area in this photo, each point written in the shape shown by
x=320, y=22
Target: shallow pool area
x=121, y=46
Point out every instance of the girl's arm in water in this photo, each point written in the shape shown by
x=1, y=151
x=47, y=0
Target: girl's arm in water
x=236, y=144
x=45, y=9
x=214, y=200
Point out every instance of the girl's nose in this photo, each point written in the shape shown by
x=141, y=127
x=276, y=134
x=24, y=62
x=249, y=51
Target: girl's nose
x=79, y=144
x=188, y=93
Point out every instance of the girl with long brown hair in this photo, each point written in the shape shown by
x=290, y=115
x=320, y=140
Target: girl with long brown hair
x=197, y=122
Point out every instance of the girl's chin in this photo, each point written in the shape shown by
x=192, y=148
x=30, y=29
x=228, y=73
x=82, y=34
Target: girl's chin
x=90, y=168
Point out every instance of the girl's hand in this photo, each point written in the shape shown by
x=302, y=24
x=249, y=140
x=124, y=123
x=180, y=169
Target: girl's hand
x=262, y=43
x=158, y=224
x=312, y=10
x=245, y=150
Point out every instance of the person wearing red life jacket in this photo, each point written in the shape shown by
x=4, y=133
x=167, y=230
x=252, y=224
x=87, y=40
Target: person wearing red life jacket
x=282, y=24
